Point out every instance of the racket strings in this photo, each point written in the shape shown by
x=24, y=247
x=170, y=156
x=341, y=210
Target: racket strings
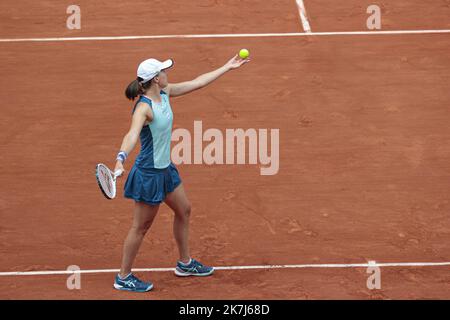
x=106, y=181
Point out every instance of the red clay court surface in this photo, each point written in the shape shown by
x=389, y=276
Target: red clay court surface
x=364, y=148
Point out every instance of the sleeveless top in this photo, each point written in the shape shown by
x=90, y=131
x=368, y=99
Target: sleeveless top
x=155, y=137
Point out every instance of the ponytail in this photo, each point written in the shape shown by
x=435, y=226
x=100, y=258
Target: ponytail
x=136, y=88
x=133, y=89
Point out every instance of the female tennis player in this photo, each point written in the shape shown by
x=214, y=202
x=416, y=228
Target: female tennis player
x=153, y=178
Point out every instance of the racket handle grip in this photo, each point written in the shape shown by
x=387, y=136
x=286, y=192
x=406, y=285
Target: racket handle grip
x=118, y=172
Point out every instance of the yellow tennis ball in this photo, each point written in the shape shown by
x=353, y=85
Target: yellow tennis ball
x=244, y=53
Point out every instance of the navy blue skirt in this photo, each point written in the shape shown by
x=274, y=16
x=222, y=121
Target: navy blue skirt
x=151, y=186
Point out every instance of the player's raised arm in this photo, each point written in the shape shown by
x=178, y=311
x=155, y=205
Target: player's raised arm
x=141, y=114
x=178, y=89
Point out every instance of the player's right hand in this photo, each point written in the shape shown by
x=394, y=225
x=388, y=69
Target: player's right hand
x=119, y=166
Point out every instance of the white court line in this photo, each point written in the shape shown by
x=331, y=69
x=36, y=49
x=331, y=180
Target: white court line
x=275, y=266
x=225, y=35
x=303, y=16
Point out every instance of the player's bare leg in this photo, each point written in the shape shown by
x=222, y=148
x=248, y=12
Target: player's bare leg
x=144, y=215
x=186, y=266
x=179, y=203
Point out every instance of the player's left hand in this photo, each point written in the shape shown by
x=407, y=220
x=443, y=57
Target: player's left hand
x=236, y=62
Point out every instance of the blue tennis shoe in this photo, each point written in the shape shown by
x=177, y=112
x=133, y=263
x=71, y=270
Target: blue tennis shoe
x=132, y=283
x=194, y=268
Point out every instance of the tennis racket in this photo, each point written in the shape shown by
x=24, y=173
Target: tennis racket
x=106, y=180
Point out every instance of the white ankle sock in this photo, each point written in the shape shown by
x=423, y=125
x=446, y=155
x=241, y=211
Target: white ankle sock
x=125, y=276
x=187, y=263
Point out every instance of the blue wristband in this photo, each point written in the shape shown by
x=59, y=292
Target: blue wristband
x=121, y=156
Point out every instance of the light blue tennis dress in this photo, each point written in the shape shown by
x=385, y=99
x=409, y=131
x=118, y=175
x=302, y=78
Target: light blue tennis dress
x=153, y=175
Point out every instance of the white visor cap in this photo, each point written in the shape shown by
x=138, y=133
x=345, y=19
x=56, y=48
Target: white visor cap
x=149, y=68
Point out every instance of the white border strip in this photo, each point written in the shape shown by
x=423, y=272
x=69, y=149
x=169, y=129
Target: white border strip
x=236, y=35
x=276, y=266
x=303, y=16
